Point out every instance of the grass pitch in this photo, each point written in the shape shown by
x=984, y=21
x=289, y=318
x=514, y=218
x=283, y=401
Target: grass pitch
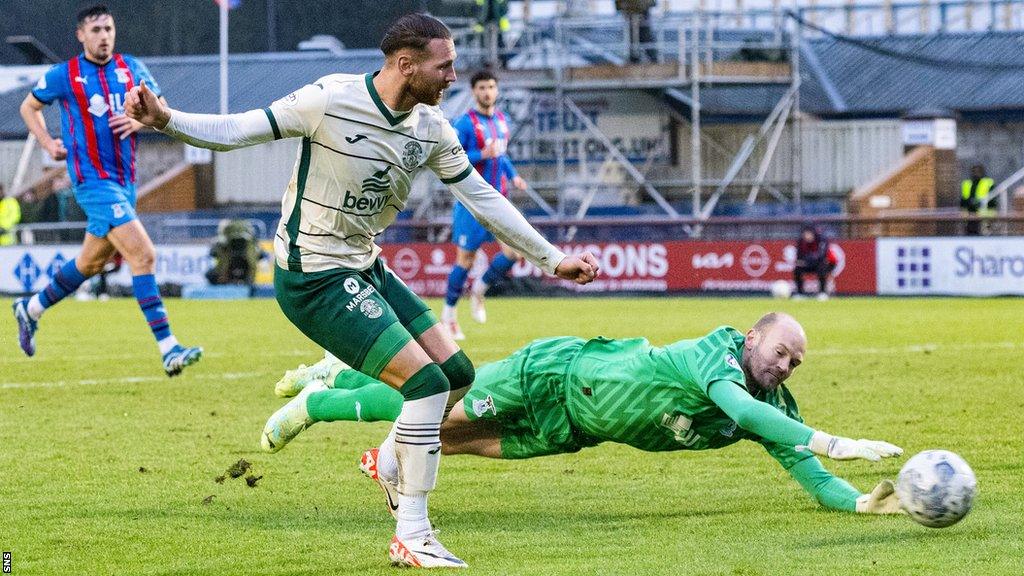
x=108, y=467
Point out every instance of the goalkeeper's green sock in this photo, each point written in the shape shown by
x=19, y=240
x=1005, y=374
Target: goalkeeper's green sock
x=372, y=402
x=349, y=379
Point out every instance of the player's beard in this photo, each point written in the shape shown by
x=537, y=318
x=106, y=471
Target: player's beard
x=425, y=91
x=758, y=367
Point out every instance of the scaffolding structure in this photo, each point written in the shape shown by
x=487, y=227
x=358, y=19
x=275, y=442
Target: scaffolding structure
x=679, y=56
x=557, y=62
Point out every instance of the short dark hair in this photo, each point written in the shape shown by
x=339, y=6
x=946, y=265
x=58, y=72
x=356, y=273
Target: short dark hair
x=414, y=31
x=482, y=76
x=90, y=12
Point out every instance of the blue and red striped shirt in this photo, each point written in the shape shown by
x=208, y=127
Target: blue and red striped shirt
x=476, y=131
x=89, y=95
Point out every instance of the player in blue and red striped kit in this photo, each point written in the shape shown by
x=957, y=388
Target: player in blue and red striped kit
x=98, y=142
x=484, y=133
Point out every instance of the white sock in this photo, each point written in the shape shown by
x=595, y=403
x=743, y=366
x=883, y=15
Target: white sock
x=35, y=307
x=479, y=286
x=167, y=344
x=418, y=443
x=412, y=516
x=448, y=312
x=387, y=462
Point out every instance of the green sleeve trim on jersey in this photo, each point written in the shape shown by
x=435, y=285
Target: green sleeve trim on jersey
x=828, y=490
x=757, y=417
x=273, y=123
x=294, y=255
x=459, y=177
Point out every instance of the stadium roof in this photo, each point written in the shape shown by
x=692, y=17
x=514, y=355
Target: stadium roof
x=191, y=82
x=964, y=72
x=974, y=74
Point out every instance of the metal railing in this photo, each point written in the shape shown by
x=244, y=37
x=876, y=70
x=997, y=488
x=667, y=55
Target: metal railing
x=575, y=40
x=635, y=228
x=662, y=228
x=161, y=231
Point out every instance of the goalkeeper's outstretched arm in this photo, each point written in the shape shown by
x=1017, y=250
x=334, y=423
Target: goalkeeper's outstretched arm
x=774, y=426
x=832, y=491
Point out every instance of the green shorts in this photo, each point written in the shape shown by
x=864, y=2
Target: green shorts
x=364, y=317
x=525, y=396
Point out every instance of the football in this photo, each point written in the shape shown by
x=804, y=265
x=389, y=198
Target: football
x=936, y=488
x=781, y=289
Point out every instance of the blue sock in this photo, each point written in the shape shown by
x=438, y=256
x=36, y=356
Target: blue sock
x=64, y=282
x=499, y=267
x=456, y=280
x=148, y=295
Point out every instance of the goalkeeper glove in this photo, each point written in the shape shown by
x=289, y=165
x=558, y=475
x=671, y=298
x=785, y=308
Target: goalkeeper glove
x=881, y=500
x=839, y=448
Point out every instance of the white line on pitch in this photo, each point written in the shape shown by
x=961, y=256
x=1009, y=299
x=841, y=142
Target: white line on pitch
x=132, y=380
x=917, y=348
x=18, y=359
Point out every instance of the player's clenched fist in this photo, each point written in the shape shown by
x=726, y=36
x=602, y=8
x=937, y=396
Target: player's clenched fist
x=580, y=269
x=143, y=105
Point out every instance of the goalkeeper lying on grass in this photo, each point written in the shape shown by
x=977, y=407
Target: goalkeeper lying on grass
x=559, y=395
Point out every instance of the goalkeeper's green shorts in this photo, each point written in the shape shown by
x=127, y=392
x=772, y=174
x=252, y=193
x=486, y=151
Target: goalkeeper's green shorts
x=524, y=394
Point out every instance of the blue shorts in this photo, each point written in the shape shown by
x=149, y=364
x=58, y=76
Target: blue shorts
x=106, y=204
x=467, y=233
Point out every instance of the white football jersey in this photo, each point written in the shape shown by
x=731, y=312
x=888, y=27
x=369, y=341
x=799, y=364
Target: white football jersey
x=354, y=170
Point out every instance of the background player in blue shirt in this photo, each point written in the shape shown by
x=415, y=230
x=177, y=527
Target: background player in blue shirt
x=484, y=133
x=98, y=142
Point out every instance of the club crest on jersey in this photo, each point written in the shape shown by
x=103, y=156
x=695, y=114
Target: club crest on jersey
x=731, y=361
x=123, y=75
x=350, y=285
x=97, y=105
x=412, y=155
x=481, y=407
x=371, y=309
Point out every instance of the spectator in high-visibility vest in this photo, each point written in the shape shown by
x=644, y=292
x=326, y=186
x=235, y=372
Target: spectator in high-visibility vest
x=492, y=24
x=10, y=216
x=974, y=197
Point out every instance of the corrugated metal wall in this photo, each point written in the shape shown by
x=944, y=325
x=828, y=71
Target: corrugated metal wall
x=256, y=175
x=10, y=154
x=839, y=156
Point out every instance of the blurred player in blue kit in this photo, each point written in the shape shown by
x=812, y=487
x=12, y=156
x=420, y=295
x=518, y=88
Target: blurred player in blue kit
x=484, y=133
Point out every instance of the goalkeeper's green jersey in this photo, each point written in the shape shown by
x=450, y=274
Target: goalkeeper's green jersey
x=656, y=398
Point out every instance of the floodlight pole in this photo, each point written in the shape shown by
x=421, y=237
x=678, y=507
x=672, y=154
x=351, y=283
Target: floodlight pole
x=695, y=151
x=223, y=55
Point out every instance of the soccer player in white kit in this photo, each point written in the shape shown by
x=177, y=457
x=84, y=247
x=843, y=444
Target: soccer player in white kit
x=364, y=138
